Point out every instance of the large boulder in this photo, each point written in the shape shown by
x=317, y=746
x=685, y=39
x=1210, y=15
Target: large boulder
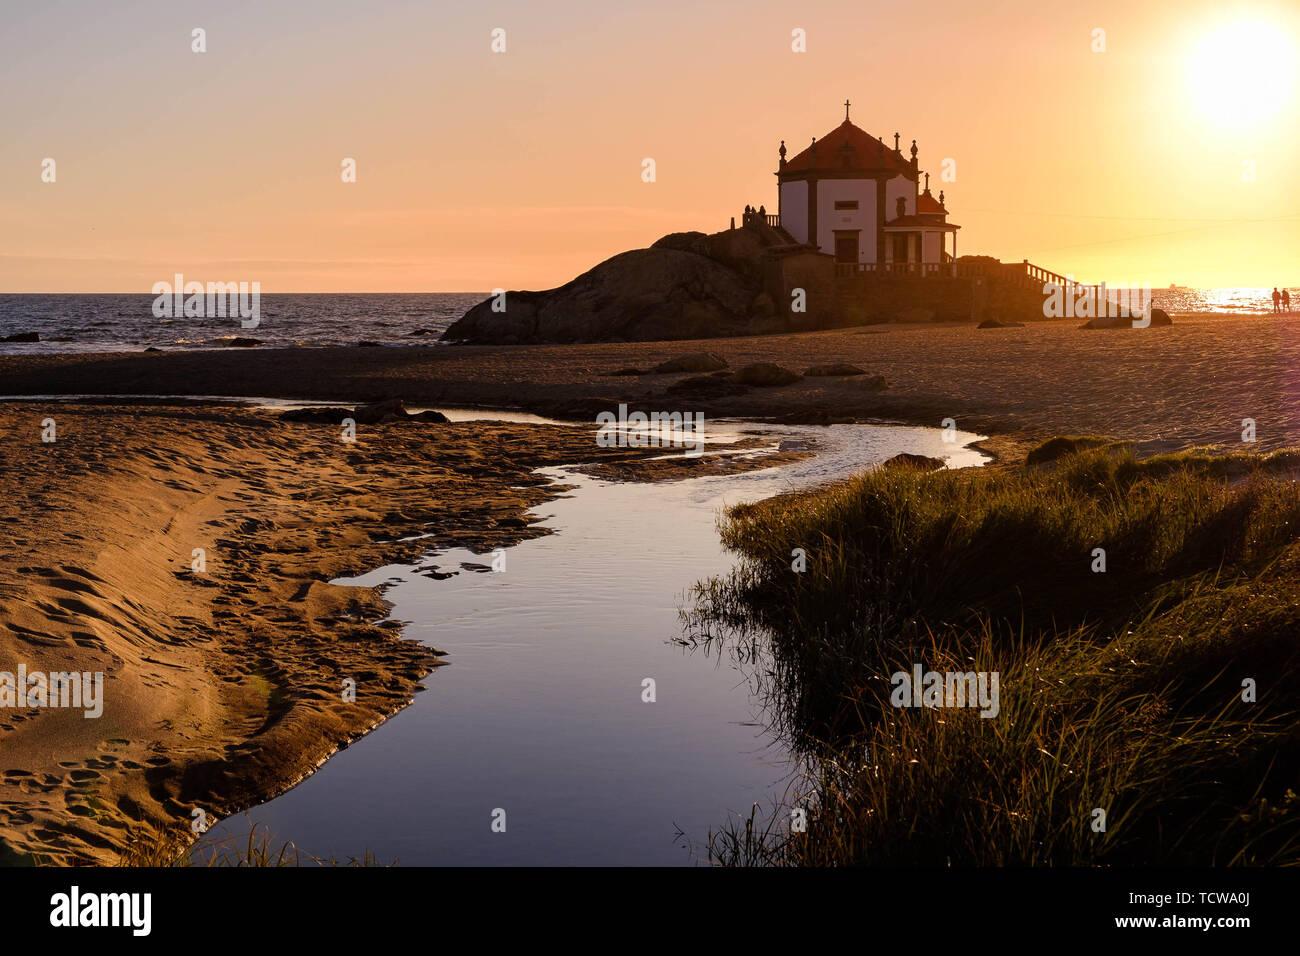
x=390, y=410
x=696, y=242
x=1159, y=317
x=739, y=249
x=686, y=285
x=643, y=295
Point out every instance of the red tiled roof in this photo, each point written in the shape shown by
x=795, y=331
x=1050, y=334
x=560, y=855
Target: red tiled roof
x=862, y=150
x=925, y=203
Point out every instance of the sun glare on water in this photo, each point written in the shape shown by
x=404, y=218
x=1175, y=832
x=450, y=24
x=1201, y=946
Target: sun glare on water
x=1243, y=73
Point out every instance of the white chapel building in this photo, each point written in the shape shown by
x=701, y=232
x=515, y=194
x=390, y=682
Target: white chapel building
x=860, y=201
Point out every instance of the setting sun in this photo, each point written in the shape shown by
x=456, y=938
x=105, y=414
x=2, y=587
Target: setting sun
x=1242, y=73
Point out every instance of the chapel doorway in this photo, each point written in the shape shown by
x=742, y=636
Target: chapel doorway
x=846, y=246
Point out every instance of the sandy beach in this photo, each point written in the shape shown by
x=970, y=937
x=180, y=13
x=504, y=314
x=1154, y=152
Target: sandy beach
x=1188, y=384
x=224, y=687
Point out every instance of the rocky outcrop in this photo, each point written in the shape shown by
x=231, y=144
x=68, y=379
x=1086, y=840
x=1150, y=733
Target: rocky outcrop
x=1159, y=318
x=686, y=285
x=391, y=410
x=22, y=337
x=317, y=415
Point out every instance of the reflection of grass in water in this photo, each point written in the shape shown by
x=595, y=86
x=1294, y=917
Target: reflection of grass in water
x=174, y=849
x=1118, y=690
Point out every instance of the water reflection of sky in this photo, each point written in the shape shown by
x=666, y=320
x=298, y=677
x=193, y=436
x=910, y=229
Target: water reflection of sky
x=540, y=712
x=1244, y=300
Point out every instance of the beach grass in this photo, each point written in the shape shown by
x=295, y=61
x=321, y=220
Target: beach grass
x=259, y=849
x=1162, y=691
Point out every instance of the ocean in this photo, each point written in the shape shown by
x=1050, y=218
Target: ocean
x=1247, y=300
x=126, y=323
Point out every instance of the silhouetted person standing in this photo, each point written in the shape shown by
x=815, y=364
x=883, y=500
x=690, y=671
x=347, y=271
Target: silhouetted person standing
x=1286, y=300
x=1277, y=300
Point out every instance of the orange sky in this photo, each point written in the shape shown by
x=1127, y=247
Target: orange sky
x=522, y=169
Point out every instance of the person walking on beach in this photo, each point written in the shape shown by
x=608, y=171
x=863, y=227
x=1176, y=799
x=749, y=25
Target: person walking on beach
x=1286, y=300
x=1277, y=300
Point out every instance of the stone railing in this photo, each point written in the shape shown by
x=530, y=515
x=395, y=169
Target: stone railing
x=759, y=216
x=919, y=270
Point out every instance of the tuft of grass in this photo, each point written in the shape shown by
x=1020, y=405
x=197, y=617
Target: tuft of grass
x=1063, y=445
x=1120, y=691
x=174, y=848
